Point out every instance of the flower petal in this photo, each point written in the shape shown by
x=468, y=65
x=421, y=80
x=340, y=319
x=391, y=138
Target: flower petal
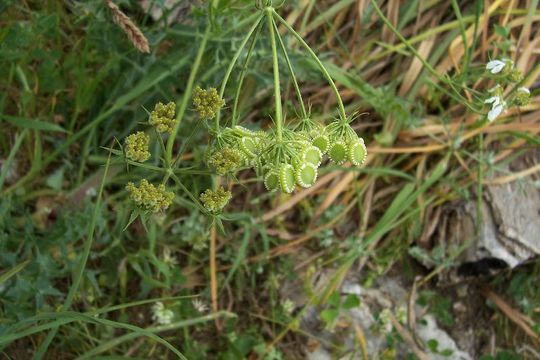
x=524, y=90
x=494, y=100
x=495, y=112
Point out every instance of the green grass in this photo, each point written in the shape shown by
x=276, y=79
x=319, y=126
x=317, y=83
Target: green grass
x=77, y=282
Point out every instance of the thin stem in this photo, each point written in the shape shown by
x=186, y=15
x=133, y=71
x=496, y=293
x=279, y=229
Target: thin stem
x=42, y=349
x=187, y=94
x=317, y=61
x=419, y=57
x=277, y=91
x=291, y=72
x=233, y=62
x=243, y=74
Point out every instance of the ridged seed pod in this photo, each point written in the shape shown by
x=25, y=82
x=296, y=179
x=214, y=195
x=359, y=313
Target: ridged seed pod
x=322, y=142
x=338, y=152
x=306, y=175
x=287, y=178
x=357, y=152
x=312, y=155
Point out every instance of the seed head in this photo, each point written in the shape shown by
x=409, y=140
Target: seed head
x=215, y=200
x=522, y=97
x=207, y=102
x=149, y=197
x=137, y=147
x=163, y=117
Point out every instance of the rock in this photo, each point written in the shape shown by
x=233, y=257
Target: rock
x=428, y=330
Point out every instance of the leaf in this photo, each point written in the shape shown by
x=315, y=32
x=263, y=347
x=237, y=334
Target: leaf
x=32, y=123
x=329, y=315
x=56, y=179
x=11, y=272
x=351, y=301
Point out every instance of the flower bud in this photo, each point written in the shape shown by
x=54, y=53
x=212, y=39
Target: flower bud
x=163, y=117
x=215, y=200
x=207, y=102
x=137, y=147
x=149, y=197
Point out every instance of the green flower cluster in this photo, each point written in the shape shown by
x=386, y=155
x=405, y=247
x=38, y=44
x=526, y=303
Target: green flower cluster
x=292, y=160
x=207, y=102
x=137, y=147
x=163, y=117
x=227, y=160
x=215, y=200
x=149, y=197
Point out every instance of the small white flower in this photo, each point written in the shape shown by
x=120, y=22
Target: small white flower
x=169, y=259
x=496, y=111
x=161, y=315
x=199, y=305
x=498, y=105
x=494, y=101
x=495, y=66
x=91, y=192
x=524, y=90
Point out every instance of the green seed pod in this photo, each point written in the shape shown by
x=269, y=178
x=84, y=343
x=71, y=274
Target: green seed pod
x=312, y=155
x=249, y=146
x=271, y=180
x=357, y=152
x=242, y=131
x=338, y=152
x=306, y=175
x=287, y=178
x=322, y=142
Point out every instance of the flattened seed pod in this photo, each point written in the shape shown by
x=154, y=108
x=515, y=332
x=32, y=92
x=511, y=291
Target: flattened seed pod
x=248, y=146
x=357, y=152
x=287, y=178
x=306, y=175
x=271, y=180
x=338, y=152
x=322, y=142
x=312, y=155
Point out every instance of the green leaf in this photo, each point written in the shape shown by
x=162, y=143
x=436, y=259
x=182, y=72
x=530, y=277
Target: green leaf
x=351, y=301
x=56, y=179
x=33, y=124
x=432, y=345
x=11, y=272
x=329, y=315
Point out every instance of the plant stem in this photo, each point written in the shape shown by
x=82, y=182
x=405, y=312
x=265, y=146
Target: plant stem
x=243, y=74
x=341, y=107
x=42, y=349
x=291, y=72
x=277, y=91
x=187, y=94
x=233, y=62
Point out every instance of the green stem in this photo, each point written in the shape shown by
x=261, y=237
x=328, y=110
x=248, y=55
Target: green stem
x=243, y=74
x=419, y=57
x=42, y=349
x=187, y=94
x=277, y=91
x=233, y=62
x=317, y=61
x=291, y=72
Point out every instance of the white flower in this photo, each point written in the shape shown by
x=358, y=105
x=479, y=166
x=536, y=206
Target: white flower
x=494, y=101
x=524, y=90
x=169, y=259
x=495, y=66
x=496, y=111
x=161, y=315
x=199, y=305
x=498, y=105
